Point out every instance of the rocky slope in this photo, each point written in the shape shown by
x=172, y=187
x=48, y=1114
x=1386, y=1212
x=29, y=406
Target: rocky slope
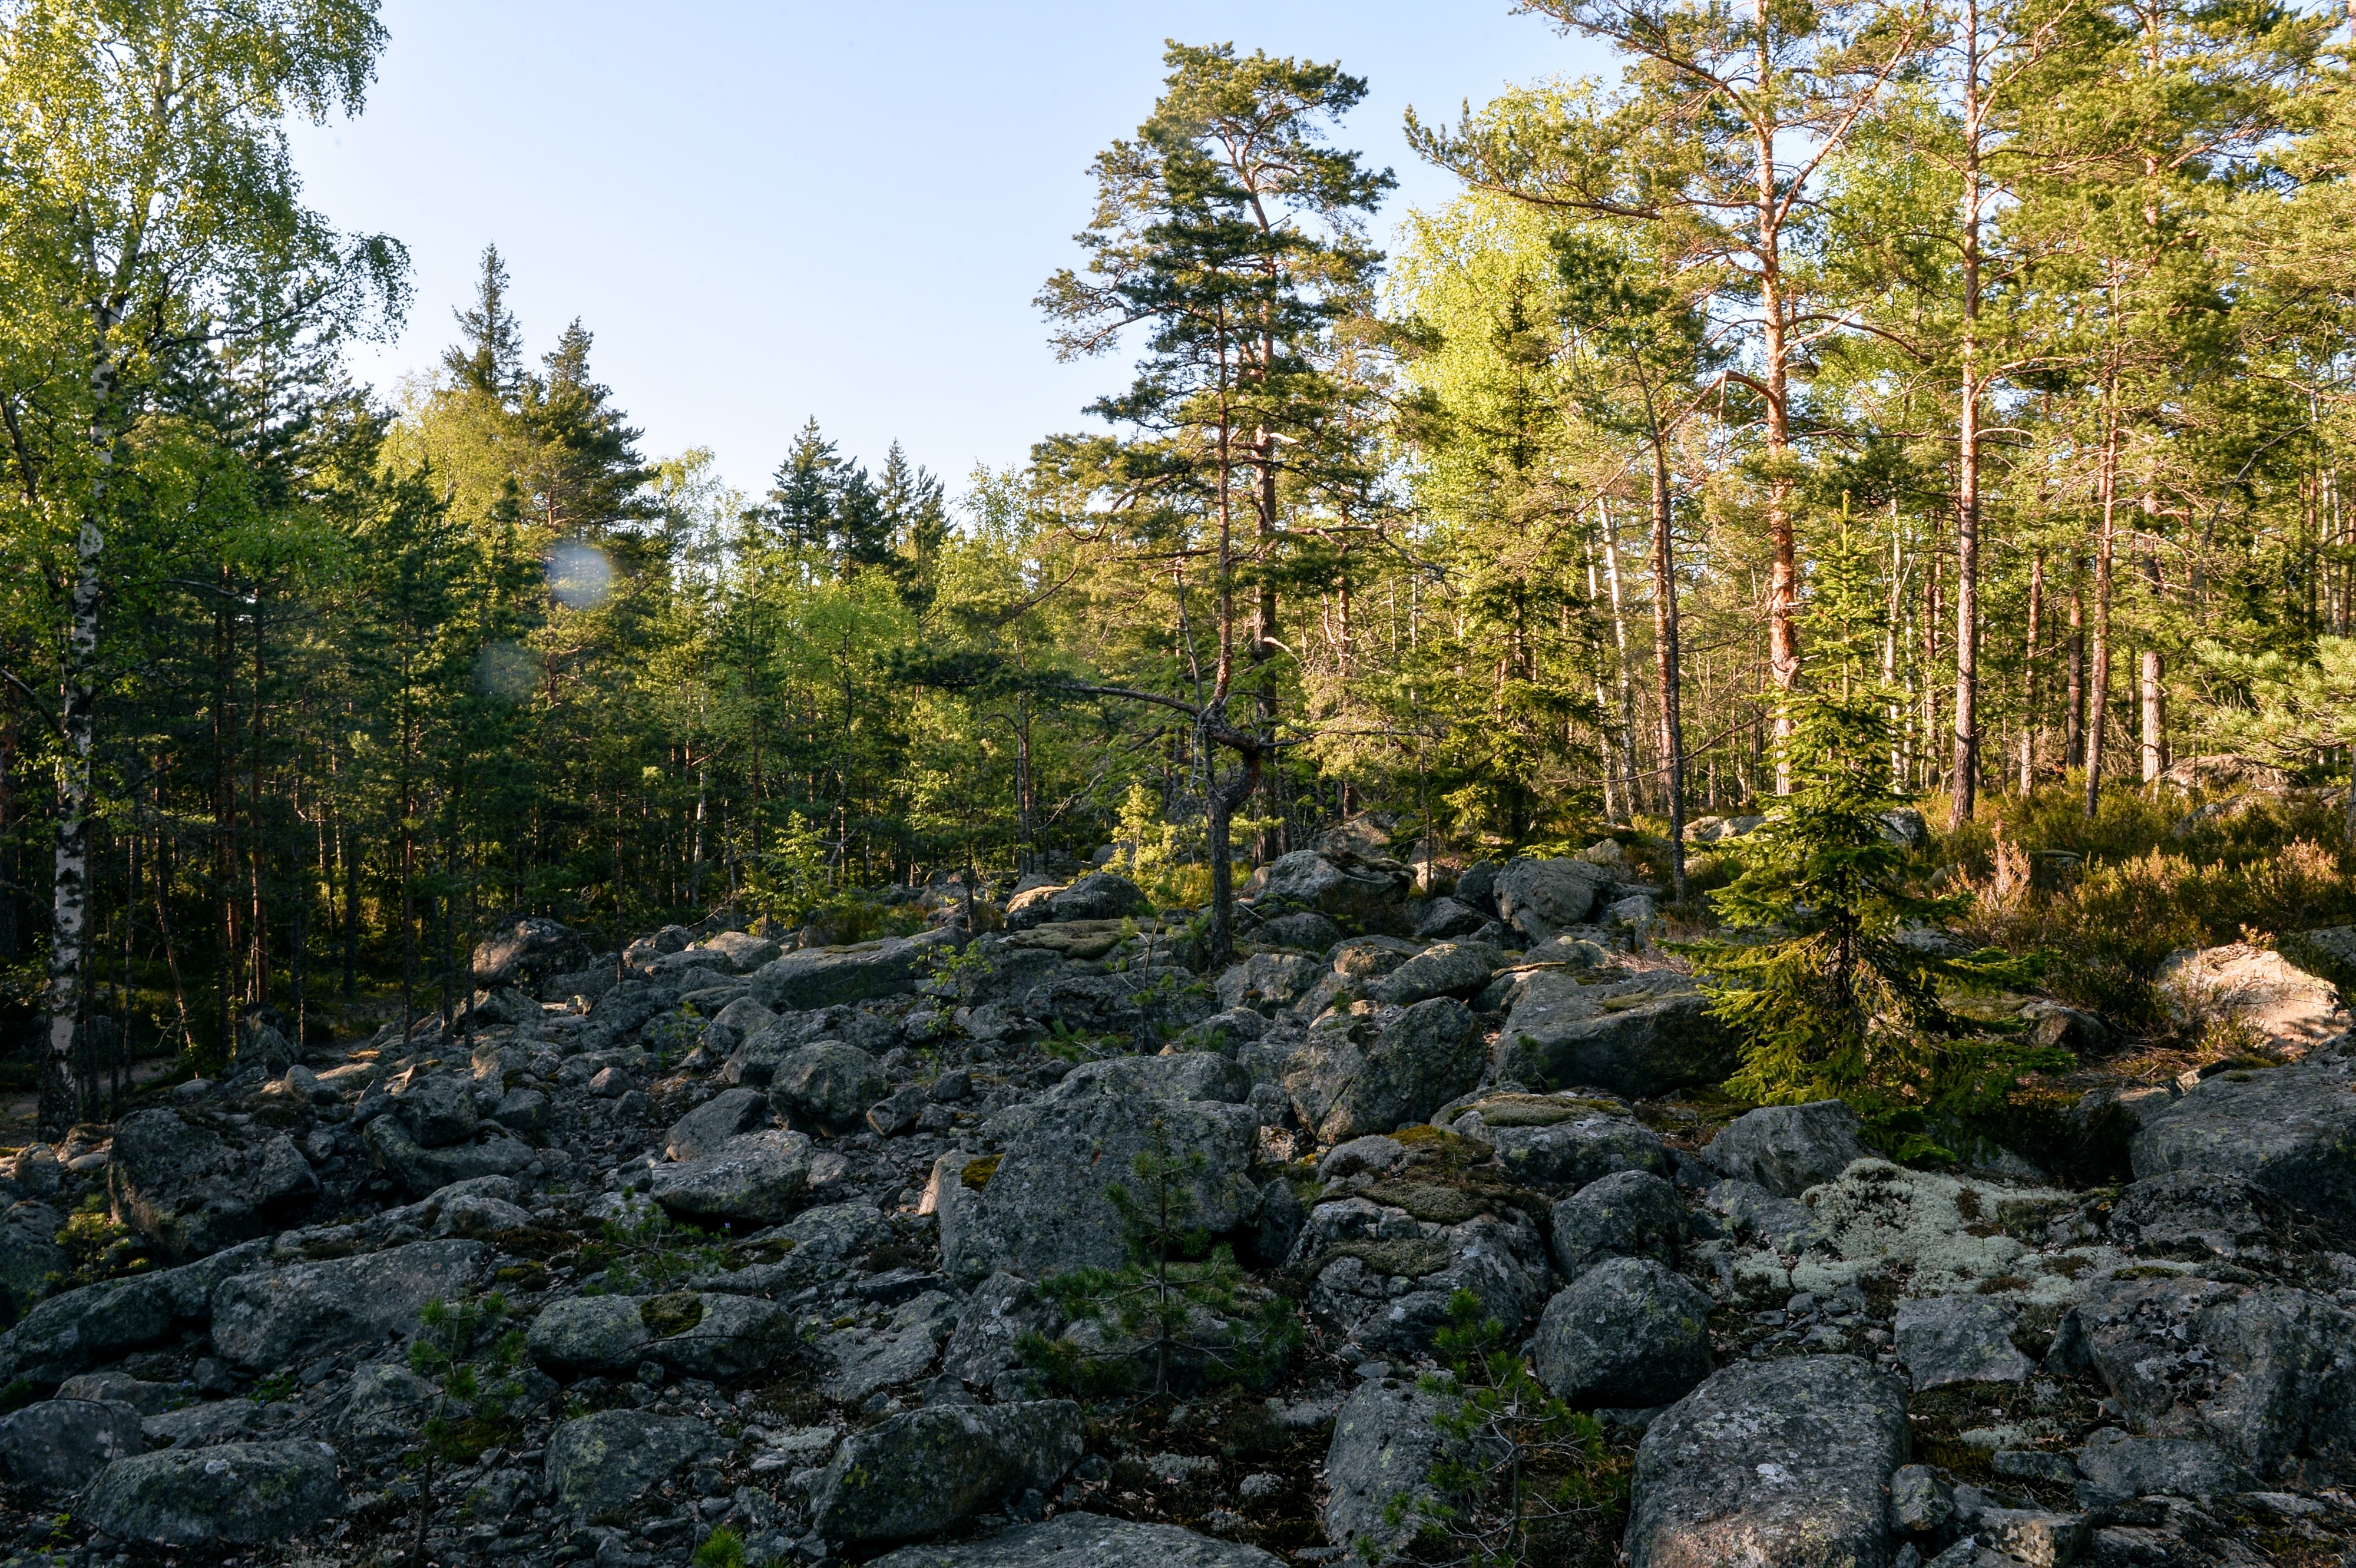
x=735, y=1233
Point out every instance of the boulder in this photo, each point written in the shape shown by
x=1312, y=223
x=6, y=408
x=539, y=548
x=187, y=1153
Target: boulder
x=1946, y=1340
x=58, y=1445
x=588, y=1334
x=1788, y=1149
x=1642, y=1036
x=1373, y=1153
x=1540, y=898
x=2290, y=1131
x=423, y=1170
x=1629, y=1214
x=1445, y=920
x=599, y=1463
x=82, y=1328
x=2118, y=1467
x=1043, y=1209
x=1268, y=982
x=1627, y=1332
x=2256, y=987
x=268, y=1319
x=1346, y=1086
x=528, y=952
x=1478, y=886
x=725, y=1115
x=1378, y=1467
x=917, y=1473
x=383, y=1410
x=523, y=1110
x=735, y=1023
x=825, y=977
x=742, y=951
x=2197, y=1213
x=121, y=1388
x=191, y=1190
x=1559, y=1140
x=1001, y=1309
x=232, y=1494
x=761, y=1178
x=29, y=1254
x=717, y=1335
x=1356, y=894
x=1099, y=896
x=1774, y=1463
x=828, y=1083
x=866, y=1360
x=1303, y=929
x=1444, y=969
x=2268, y=1373
x=1384, y=1277
x=437, y=1109
x=1083, y=1540
x=481, y=1216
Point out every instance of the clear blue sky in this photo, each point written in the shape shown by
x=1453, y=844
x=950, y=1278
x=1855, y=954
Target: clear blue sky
x=769, y=211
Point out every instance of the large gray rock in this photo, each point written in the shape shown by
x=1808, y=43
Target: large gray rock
x=917, y=1473
x=904, y=1350
x=588, y=1334
x=1084, y=1541
x=1444, y=969
x=600, y=1463
x=268, y=1319
x=734, y=1024
x=192, y=1190
x=829, y=1083
x=1378, y=1467
x=424, y=1171
x=1043, y=1208
x=29, y=1254
x=436, y=1108
x=82, y=1328
x=1627, y=1332
x=1385, y=1280
x=1345, y=1086
x=2267, y=1374
x=1268, y=982
x=1778, y=1464
x=1099, y=896
x=1788, y=1149
x=1946, y=1339
x=2289, y=1130
x=742, y=951
x=232, y=1494
x=1630, y=1214
x=1641, y=1036
x=825, y=977
x=761, y=1178
x=715, y=1335
x=1447, y=919
x=1540, y=898
x=1305, y=931
x=1555, y=1141
x=2198, y=1212
x=528, y=952
x=384, y=1409
x=2259, y=988
x=2117, y=1467
x=58, y=1445
x=725, y=1115
x=1000, y=1311
x=1357, y=895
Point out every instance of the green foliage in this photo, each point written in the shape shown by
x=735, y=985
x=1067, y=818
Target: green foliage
x=464, y=1346
x=1830, y=999
x=648, y=1251
x=791, y=877
x=1524, y=1478
x=97, y=1246
x=1180, y=1311
x=723, y=1548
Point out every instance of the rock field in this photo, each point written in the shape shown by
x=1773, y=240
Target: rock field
x=729, y=1232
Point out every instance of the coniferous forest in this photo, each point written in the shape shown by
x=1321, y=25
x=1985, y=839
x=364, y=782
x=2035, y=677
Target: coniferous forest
x=1989, y=360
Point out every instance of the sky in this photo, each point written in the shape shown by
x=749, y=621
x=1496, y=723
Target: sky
x=768, y=212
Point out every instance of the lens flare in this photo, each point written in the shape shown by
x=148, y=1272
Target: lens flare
x=505, y=672
x=579, y=575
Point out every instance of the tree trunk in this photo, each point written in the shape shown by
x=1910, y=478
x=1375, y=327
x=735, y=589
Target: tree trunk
x=1620, y=646
x=2099, y=683
x=2029, y=675
x=1664, y=665
x=2073, y=710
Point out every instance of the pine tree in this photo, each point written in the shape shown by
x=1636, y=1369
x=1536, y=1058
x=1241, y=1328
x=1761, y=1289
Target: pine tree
x=488, y=359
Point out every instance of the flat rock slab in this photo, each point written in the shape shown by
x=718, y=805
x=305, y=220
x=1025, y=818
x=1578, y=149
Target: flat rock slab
x=607, y=1460
x=1641, y=1036
x=193, y=1190
x=758, y=1177
x=2255, y=986
x=2117, y=1467
x=919, y=1473
x=1085, y=1541
x=311, y=1309
x=2288, y=1130
x=235, y=1494
x=71, y=1332
x=1771, y=1464
x=1948, y=1339
x=1788, y=1149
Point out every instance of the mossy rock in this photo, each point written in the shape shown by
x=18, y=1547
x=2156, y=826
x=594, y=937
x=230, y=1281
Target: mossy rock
x=665, y=1315
x=1412, y=1258
x=1435, y=1202
x=977, y=1173
x=1538, y=1110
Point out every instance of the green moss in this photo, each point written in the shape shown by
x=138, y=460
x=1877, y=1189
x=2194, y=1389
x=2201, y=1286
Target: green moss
x=673, y=1314
x=1433, y=1201
x=977, y=1173
x=1411, y=1258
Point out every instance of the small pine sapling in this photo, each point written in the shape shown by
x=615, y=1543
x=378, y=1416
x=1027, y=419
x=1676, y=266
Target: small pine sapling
x=1830, y=1000
x=1179, y=1305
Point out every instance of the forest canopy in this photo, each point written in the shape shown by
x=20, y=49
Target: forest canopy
x=1986, y=363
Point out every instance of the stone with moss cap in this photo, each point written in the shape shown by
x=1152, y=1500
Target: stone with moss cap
x=921, y=1471
x=600, y=1463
